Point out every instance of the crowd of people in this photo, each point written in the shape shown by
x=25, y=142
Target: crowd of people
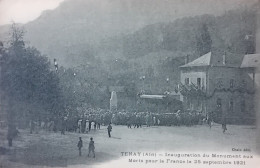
x=94, y=119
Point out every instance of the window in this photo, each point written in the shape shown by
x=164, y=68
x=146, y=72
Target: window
x=231, y=105
x=202, y=83
x=219, y=102
x=199, y=82
x=187, y=81
x=231, y=83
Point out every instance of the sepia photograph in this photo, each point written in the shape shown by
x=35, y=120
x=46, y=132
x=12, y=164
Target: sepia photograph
x=129, y=83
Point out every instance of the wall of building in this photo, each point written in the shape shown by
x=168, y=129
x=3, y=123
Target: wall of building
x=221, y=76
x=236, y=106
x=193, y=76
x=232, y=106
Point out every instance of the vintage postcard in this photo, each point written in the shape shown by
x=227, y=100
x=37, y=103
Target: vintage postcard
x=129, y=83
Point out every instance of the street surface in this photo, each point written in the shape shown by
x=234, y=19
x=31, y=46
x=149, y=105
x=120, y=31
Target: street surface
x=48, y=149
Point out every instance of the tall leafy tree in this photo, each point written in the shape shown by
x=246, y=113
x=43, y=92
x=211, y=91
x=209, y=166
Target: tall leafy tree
x=28, y=80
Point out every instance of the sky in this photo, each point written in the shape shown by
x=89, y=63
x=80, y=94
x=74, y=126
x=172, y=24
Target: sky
x=23, y=11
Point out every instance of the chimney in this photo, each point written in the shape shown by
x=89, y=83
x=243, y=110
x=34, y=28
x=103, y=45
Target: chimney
x=224, y=59
x=187, y=59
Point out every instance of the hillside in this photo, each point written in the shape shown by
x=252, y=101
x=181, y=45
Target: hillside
x=125, y=51
x=79, y=29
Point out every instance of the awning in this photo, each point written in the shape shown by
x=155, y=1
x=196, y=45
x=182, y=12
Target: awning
x=152, y=96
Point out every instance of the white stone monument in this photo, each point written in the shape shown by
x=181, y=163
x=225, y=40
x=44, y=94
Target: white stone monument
x=113, y=101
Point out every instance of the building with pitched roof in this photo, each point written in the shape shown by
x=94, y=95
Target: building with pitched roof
x=218, y=86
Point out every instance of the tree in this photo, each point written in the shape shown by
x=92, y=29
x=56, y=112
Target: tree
x=203, y=40
x=29, y=81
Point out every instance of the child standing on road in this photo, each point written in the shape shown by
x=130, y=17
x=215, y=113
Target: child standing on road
x=91, y=147
x=80, y=145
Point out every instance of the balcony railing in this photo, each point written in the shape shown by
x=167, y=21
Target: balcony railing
x=192, y=90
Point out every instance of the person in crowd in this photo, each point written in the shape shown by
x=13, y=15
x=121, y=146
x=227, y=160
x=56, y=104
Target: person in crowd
x=11, y=134
x=149, y=119
x=93, y=125
x=146, y=119
x=32, y=126
x=91, y=148
x=63, y=127
x=79, y=125
x=98, y=125
x=224, y=125
x=109, y=129
x=80, y=145
x=138, y=121
x=87, y=126
x=209, y=121
x=129, y=124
